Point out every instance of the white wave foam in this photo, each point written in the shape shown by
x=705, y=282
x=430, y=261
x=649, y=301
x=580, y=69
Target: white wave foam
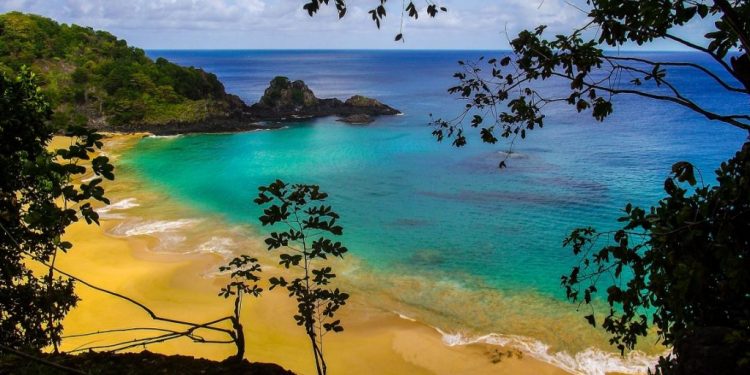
x=165, y=231
x=106, y=211
x=404, y=317
x=119, y=205
x=165, y=136
x=217, y=245
x=140, y=227
x=591, y=361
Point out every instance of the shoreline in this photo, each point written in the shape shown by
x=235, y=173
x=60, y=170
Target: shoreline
x=176, y=285
x=172, y=283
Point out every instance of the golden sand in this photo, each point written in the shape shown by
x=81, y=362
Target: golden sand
x=179, y=286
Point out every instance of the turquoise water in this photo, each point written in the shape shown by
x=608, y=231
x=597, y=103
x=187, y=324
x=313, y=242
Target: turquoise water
x=411, y=205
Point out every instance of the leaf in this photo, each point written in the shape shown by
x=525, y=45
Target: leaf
x=399, y=37
x=683, y=172
x=591, y=319
x=412, y=10
x=702, y=10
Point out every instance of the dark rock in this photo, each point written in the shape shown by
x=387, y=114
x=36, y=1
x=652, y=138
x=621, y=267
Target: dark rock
x=287, y=100
x=359, y=119
x=283, y=100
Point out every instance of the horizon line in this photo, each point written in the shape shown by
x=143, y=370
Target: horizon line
x=397, y=50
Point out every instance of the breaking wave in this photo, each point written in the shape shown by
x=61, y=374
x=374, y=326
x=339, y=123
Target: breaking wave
x=591, y=361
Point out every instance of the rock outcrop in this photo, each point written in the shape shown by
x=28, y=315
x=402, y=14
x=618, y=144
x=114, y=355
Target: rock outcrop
x=286, y=100
x=360, y=119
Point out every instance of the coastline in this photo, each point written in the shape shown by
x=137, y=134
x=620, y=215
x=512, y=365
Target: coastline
x=181, y=285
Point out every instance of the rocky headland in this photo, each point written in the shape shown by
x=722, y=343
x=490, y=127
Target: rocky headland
x=284, y=100
x=86, y=86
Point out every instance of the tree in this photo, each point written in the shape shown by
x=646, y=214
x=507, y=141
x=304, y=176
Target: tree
x=684, y=262
x=38, y=201
x=300, y=208
x=242, y=271
x=689, y=263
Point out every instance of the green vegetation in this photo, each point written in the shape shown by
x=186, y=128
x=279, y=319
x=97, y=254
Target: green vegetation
x=38, y=201
x=284, y=93
x=689, y=259
x=306, y=223
x=92, y=78
x=243, y=280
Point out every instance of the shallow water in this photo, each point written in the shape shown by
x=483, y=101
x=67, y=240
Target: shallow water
x=439, y=234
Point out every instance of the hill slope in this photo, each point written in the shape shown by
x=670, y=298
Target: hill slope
x=92, y=78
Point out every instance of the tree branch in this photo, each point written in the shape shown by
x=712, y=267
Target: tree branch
x=729, y=119
x=683, y=64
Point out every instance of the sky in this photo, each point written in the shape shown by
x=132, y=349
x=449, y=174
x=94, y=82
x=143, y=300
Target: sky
x=283, y=24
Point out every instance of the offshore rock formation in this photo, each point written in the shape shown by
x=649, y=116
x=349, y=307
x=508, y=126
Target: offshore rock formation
x=286, y=100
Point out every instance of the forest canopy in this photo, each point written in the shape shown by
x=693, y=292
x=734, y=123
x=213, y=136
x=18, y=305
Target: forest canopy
x=92, y=78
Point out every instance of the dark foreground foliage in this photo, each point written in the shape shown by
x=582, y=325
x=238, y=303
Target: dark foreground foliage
x=682, y=266
x=38, y=201
x=307, y=246
x=135, y=364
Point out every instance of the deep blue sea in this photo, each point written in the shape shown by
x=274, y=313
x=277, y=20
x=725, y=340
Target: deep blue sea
x=455, y=241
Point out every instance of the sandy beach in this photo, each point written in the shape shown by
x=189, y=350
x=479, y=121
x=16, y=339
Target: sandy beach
x=184, y=286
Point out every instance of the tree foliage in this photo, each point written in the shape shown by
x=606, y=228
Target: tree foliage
x=684, y=266
x=379, y=12
x=504, y=99
x=38, y=201
x=91, y=76
x=243, y=280
x=307, y=223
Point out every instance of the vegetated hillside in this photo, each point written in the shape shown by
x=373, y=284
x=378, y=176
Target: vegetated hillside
x=92, y=78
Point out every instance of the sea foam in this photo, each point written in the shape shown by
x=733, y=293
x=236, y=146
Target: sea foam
x=106, y=211
x=139, y=227
x=165, y=136
x=591, y=361
x=217, y=245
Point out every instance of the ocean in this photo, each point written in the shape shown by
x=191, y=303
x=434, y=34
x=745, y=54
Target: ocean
x=435, y=233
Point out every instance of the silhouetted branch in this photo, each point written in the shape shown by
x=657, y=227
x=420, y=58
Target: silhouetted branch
x=683, y=64
x=142, y=342
x=733, y=119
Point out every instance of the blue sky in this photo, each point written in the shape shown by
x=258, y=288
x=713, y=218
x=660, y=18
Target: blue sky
x=262, y=24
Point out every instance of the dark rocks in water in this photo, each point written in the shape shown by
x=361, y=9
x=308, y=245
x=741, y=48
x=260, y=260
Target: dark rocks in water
x=359, y=101
x=285, y=99
x=359, y=119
